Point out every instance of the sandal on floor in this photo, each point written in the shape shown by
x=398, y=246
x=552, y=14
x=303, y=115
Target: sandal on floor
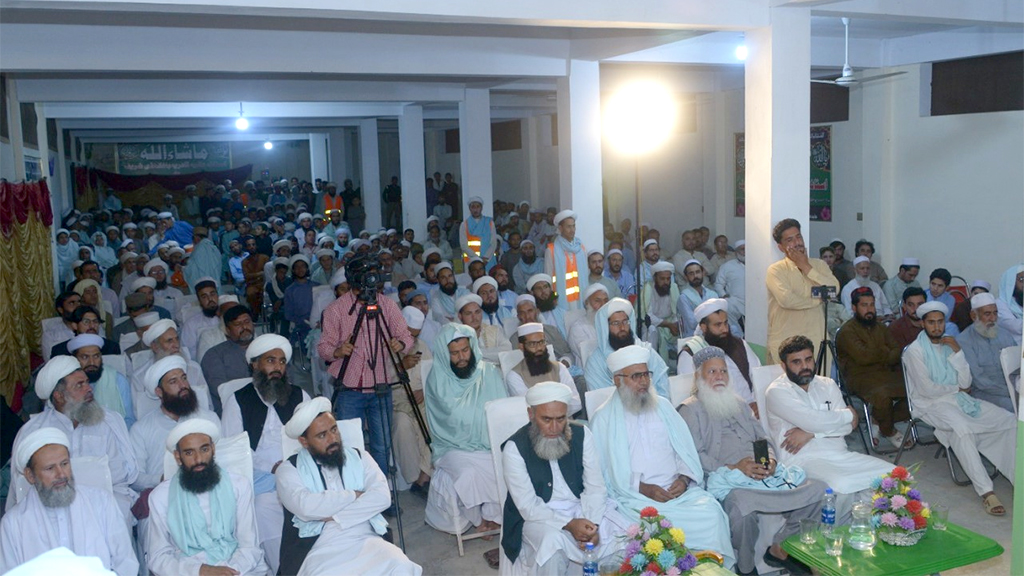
x=992, y=502
x=492, y=557
x=896, y=438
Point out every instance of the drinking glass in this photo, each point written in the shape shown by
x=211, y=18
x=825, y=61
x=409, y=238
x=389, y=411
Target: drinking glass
x=808, y=530
x=834, y=543
x=940, y=516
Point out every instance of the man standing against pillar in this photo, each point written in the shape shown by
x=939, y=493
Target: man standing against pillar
x=477, y=235
x=563, y=259
x=793, y=310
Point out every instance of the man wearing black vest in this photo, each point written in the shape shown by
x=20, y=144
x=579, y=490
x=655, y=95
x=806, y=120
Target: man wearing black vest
x=333, y=496
x=557, y=497
x=260, y=409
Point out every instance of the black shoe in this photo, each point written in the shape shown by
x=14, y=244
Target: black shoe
x=753, y=572
x=421, y=490
x=790, y=564
x=390, y=512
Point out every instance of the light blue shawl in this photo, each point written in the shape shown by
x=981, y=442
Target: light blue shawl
x=596, y=371
x=187, y=523
x=351, y=478
x=942, y=372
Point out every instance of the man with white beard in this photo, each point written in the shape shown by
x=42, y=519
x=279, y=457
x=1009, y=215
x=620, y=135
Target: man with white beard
x=557, y=497
x=714, y=330
x=92, y=429
x=162, y=340
x=202, y=519
x=583, y=329
x=537, y=366
x=57, y=513
x=724, y=431
x=649, y=457
x=982, y=342
x=109, y=386
x=862, y=279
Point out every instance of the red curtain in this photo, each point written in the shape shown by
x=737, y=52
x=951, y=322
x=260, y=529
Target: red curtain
x=122, y=183
x=17, y=200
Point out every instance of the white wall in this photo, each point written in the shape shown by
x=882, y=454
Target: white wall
x=288, y=159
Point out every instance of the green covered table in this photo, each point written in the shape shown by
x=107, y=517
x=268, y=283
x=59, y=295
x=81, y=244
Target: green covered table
x=936, y=552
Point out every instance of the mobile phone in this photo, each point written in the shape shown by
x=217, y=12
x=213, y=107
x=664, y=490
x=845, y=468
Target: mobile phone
x=761, y=452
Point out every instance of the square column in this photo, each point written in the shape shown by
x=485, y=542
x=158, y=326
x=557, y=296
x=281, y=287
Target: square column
x=17, y=139
x=337, y=150
x=318, y=156
x=413, y=169
x=777, y=112
x=369, y=151
x=475, y=149
x=579, y=150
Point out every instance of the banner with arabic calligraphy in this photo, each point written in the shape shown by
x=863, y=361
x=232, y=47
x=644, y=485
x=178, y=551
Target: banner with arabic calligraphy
x=173, y=158
x=821, y=174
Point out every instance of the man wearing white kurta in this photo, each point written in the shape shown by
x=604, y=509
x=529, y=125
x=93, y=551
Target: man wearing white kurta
x=938, y=381
x=583, y=330
x=537, y=366
x=333, y=495
x=202, y=517
x=862, y=266
x=56, y=512
x=92, y=429
x=808, y=421
x=458, y=386
x=162, y=340
x=730, y=283
x=557, y=498
x=649, y=458
x=565, y=262
x=207, y=317
x=260, y=408
x=713, y=329
x=442, y=297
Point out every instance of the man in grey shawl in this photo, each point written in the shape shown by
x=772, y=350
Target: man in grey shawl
x=724, y=430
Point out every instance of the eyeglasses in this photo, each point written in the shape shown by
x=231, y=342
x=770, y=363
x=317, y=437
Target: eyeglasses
x=618, y=323
x=638, y=376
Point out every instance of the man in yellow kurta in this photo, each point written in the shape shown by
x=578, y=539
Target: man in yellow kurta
x=792, y=309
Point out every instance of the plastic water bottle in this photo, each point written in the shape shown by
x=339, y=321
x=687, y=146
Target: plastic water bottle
x=828, y=513
x=589, y=560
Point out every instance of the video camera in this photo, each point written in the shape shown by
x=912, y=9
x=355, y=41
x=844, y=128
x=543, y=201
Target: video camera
x=364, y=275
x=823, y=292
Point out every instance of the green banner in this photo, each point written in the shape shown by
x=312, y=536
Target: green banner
x=820, y=177
x=172, y=158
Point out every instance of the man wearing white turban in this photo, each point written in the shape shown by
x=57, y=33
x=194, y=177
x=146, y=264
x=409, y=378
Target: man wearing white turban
x=411, y=451
x=730, y=283
x=862, y=279
x=537, y=366
x=649, y=457
x=582, y=331
x=477, y=236
x=615, y=324
x=692, y=294
x=162, y=340
x=491, y=338
x=495, y=313
x=660, y=301
x=92, y=429
x=443, y=296
x=982, y=343
x=201, y=519
x=458, y=386
x=938, y=384
x=527, y=312
x=109, y=386
x=56, y=512
x=565, y=261
x=260, y=408
x=333, y=497
x=557, y=497
x=713, y=329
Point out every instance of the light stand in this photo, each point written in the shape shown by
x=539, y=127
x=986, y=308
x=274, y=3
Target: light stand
x=641, y=319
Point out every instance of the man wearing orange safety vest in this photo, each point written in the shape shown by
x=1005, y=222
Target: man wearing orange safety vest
x=477, y=235
x=566, y=262
x=330, y=201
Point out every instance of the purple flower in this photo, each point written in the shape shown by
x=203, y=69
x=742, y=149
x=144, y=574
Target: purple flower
x=888, y=484
x=632, y=547
x=633, y=531
x=907, y=523
x=889, y=519
x=914, y=494
x=898, y=502
x=665, y=523
x=882, y=503
x=687, y=562
x=647, y=573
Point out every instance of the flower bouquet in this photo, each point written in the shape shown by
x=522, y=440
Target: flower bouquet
x=655, y=547
x=900, y=517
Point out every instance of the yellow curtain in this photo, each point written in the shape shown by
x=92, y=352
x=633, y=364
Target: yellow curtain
x=26, y=278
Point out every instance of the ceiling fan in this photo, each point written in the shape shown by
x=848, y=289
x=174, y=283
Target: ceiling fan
x=847, y=80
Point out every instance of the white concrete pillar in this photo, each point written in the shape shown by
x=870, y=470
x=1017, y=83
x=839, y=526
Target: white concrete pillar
x=17, y=139
x=318, y=157
x=777, y=112
x=337, y=151
x=43, y=139
x=61, y=182
x=579, y=150
x=413, y=167
x=369, y=153
x=475, y=149
x=533, y=145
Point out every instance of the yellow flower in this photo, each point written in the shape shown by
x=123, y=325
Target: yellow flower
x=905, y=489
x=926, y=512
x=876, y=496
x=677, y=535
x=654, y=546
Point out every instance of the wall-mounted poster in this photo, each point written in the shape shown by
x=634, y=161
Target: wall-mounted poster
x=173, y=157
x=820, y=177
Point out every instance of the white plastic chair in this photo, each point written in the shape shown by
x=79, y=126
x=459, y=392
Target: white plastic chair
x=226, y=389
x=117, y=362
x=572, y=317
x=92, y=471
x=680, y=387
x=762, y=377
x=595, y=398
x=586, y=349
x=121, y=320
x=1009, y=359
x=351, y=431
x=504, y=418
x=233, y=455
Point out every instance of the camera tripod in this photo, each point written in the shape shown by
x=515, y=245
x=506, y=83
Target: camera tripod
x=827, y=346
x=379, y=341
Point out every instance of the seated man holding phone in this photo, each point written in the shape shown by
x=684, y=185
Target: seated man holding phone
x=741, y=468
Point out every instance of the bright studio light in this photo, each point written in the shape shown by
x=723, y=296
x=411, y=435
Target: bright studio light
x=640, y=117
x=268, y=145
x=242, y=123
x=741, y=52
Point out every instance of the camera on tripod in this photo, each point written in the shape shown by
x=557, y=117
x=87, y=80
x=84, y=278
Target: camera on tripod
x=364, y=275
x=823, y=292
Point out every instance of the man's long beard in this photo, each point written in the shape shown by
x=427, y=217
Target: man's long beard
x=988, y=331
x=61, y=497
x=463, y=373
x=868, y=320
x=160, y=354
x=862, y=280
x=449, y=290
x=161, y=284
x=548, y=304
x=538, y=364
x=696, y=283
x=502, y=285
x=529, y=259
x=184, y=404
x=638, y=402
x=334, y=460
x=803, y=379
x=721, y=404
x=93, y=373
x=490, y=307
x=1018, y=295
x=272, y=389
x=662, y=290
x=724, y=341
x=551, y=449
x=617, y=342
x=202, y=481
x=210, y=313
x=85, y=413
